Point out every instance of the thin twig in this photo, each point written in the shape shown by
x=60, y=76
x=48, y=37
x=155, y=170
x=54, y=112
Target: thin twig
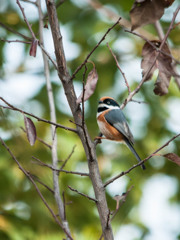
x=57, y=5
x=111, y=14
x=64, y=204
x=67, y=159
x=29, y=1
x=117, y=64
x=15, y=32
x=11, y=41
x=148, y=71
x=73, y=172
x=89, y=147
x=82, y=194
x=59, y=170
x=11, y=107
x=40, y=45
x=97, y=45
x=25, y=19
x=137, y=101
x=47, y=54
x=43, y=184
x=152, y=45
x=141, y=162
x=36, y=187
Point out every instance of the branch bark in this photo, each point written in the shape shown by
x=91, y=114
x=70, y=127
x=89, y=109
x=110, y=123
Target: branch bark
x=28, y=175
x=141, y=162
x=57, y=195
x=88, y=145
x=11, y=107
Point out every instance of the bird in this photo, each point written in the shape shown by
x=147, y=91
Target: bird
x=113, y=125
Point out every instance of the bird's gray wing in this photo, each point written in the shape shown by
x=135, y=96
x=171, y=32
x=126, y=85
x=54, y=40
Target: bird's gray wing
x=117, y=119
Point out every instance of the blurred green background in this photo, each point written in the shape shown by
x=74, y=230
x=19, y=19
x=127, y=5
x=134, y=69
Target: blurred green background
x=154, y=200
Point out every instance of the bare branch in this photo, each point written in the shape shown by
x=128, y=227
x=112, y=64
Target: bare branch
x=59, y=170
x=67, y=159
x=113, y=15
x=11, y=107
x=73, y=172
x=25, y=19
x=36, y=187
x=137, y=101
x=58, y=4
x=43, y=184
x=117, y=64
x=47, y=54
x=88, y=145
x=64, y=204
x=10, y=41
x=82, y=194
x=15, y=32
x=140, y=163
x=146, y=74
x=150, y=43
x=97, y=45
x=29, y=1
x=40, y=45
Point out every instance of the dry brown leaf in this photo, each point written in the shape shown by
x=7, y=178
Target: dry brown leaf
x=33, y=48
x=163, y=64
x=145, y=12
x=173, y=157
x=30, y=130
x=90, y=85
x=167, y=3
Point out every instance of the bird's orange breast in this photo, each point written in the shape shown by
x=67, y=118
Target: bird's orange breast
x=107, y=130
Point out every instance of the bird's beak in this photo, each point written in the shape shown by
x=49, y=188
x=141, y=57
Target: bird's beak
x=100, y=102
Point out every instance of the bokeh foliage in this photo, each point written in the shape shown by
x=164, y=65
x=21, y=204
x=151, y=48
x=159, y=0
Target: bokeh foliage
x=22, y=213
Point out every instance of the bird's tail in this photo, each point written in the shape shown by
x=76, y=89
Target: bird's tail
x=134, y=152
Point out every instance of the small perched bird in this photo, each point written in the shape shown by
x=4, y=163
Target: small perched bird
x=113, y=125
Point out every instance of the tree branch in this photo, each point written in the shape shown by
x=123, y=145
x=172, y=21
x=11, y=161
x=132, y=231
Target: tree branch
x=25, y=19
x=141, y=162
x=15, y=32
x=82, y=194
x=88, y=145
x=117, y=64
x=67, y=159
x=11, y=41
x=97, y=45
x=59, y=170
x=54, y=155
x=28, y=175
x=11, y=107
x=157, y=54
x=150, y=43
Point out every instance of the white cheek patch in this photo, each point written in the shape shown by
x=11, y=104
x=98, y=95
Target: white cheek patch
x=114, y=107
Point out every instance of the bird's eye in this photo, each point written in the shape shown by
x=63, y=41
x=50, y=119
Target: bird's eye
x=108, y=102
